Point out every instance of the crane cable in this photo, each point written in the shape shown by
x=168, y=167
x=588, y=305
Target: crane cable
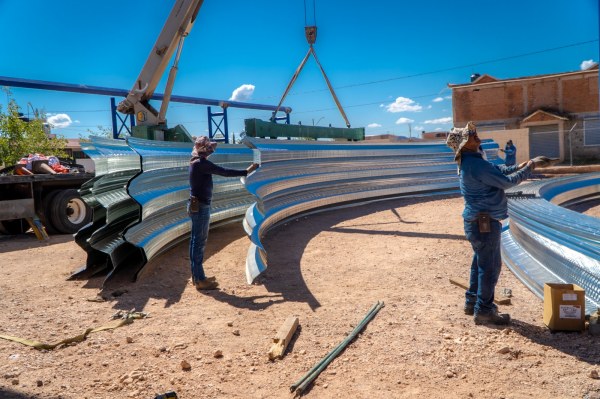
x=311, y=36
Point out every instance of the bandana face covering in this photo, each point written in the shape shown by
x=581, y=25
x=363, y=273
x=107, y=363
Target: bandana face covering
x=203, y=147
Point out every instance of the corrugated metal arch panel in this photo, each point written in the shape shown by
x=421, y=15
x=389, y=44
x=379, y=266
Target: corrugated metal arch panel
x=548, y=243
x=162, y=191
x=295, y=177
x=300, y=177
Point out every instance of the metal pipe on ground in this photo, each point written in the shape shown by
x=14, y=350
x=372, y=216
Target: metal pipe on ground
x=303, y=383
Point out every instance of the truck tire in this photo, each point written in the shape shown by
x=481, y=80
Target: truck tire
x=45, y=214
x=16, y=226
x=68, y=212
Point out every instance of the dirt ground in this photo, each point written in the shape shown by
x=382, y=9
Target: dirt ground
x=328, y=270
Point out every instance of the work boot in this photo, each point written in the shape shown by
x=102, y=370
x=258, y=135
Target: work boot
x=469, y=309
x=499, y=319
x=207, y=285
x=211, y=278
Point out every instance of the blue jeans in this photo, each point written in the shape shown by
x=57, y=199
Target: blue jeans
x=200, y=225
x=485, y=267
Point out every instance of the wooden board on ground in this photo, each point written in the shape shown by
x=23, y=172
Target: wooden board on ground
x=464, y=284
x=283, y=338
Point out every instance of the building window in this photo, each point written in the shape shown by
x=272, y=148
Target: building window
x=591, y=132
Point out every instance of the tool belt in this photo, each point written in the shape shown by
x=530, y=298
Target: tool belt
x=194, y=205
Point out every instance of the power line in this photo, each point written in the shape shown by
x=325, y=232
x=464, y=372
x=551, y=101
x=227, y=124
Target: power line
x=364, y=104
x=471, y=65
x=73, y=111
x=434, y=72
x=414, y=75
x=454, y=67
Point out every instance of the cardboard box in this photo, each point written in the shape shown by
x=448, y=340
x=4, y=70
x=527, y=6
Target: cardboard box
x=564, y=307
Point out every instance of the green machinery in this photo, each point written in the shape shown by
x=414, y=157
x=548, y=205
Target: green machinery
x=262, y=129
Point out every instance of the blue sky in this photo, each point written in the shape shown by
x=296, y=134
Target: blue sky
x=389, y=61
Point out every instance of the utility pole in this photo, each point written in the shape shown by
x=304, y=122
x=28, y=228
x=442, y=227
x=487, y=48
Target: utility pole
x=409, y=132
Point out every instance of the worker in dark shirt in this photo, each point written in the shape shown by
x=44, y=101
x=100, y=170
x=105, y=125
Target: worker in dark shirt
x=201, y=189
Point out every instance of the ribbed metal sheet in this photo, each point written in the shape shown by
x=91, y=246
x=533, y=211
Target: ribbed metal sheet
x=141, y=191
x=139, y=199
x=113, y=208
x=547, y=243
x=297, y=177
x=162, y=190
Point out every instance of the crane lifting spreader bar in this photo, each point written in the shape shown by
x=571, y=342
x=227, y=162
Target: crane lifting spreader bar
x=311, y=36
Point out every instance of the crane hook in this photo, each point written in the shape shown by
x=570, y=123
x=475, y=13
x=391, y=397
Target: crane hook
x=311, y=34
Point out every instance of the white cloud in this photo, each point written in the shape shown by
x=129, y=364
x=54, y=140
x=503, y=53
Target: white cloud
x=448, y=97
x=586, y=64
x=438, y=99
x=60, y=121
x=373, y=125
x=242, y=93
x=419, y=128
x=447, y=119
x=403, y=104
x=403, y=120
x=437, y=129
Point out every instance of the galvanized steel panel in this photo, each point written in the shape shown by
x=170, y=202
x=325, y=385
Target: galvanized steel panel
x=143, y=190
x=299, y=177
x=547, y=243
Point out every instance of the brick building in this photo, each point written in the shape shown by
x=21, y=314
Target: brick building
x=555, y=115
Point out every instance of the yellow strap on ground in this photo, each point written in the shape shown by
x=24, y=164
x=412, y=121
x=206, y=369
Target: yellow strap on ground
x=78, y=338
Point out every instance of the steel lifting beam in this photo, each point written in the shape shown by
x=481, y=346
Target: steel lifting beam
x=107, y=91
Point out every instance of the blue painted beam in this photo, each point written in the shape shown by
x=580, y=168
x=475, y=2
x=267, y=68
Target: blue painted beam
x=106, y=91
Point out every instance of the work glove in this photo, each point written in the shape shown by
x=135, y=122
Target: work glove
x=252, y=168
x=542, y=161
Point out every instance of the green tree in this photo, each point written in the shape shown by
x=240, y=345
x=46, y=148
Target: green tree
x=18, y=137
x=101, y=131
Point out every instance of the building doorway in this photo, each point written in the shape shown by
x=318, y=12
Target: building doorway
x=544, y=140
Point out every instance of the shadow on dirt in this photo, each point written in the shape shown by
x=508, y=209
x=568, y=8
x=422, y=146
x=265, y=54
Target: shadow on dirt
x=583, y=207
x=286, y=243
x=580, y=345
x=22, y=242
x=6, y=393
x=166, y=277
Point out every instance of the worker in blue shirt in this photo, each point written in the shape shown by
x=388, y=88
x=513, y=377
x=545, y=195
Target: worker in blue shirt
x=510, y=152
x=482, y=185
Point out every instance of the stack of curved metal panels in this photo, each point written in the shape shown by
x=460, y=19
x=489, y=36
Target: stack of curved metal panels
x=162, y=191
x=113, y=209
x=297, y=177
x=547, y=243
x=139, y=200
x=140, y=192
